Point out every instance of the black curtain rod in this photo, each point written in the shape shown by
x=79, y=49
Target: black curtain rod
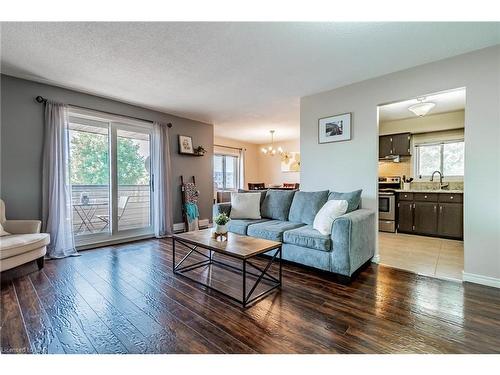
x=234, y=148
x=41, y=99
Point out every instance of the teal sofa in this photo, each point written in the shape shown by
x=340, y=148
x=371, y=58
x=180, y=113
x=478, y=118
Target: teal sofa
x=287, y=217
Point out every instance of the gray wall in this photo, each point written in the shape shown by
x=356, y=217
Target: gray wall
x=22, y=135
x=353, y=164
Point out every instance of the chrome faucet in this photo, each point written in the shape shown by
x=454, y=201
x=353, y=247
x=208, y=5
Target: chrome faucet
x=441, y=185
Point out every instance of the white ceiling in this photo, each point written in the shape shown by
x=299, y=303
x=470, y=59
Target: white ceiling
x=448, y=101
x=245, y=78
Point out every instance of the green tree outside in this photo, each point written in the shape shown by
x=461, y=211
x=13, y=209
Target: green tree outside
x=90, y=165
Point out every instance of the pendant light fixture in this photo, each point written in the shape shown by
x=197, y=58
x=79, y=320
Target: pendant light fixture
x=422, y=107
x=271, y=150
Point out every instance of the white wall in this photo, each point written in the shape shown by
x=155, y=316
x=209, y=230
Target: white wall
x=430, y=123
x=352, y=165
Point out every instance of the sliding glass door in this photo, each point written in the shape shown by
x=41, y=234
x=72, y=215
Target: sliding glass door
x=134, y=179
x=110, y=168
x=89, y=177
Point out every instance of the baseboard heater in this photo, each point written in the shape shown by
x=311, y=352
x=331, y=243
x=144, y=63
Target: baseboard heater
x=181, y=227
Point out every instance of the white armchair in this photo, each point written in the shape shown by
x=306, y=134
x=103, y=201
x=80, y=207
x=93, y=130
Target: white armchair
x=22, y=243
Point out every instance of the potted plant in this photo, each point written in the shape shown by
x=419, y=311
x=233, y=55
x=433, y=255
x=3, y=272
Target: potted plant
x=220, y=223
x=200, y=151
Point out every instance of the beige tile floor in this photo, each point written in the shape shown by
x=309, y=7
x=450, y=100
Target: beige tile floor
x=428, y=256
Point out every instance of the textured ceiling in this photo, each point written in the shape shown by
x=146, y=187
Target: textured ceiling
x=449, y=101
x=245, y=78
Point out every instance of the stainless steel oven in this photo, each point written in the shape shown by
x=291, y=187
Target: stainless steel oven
x=387, y=203
x=387, y=211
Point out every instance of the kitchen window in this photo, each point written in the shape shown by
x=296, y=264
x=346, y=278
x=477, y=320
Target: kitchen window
x=445, y=157
x=226, y=172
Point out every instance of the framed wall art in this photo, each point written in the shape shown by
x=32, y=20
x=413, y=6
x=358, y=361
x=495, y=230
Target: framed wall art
x=335, y=128
x=186, y=145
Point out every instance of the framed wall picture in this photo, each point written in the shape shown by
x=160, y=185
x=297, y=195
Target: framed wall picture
x=290, y=162
x=185, y=145
x=335, y=128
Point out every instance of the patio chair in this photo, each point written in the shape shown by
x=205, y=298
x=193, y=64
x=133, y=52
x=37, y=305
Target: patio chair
x=122, y=205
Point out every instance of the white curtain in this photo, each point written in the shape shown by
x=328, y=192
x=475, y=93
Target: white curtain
x=56, y=196
x=162, y=172
x=242, y=169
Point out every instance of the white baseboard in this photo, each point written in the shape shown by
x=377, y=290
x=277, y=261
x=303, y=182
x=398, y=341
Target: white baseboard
x=376, y=258
x=480, y=279
x=203, y=223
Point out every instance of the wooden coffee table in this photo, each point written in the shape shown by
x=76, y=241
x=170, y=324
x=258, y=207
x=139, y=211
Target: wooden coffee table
x=240, y=248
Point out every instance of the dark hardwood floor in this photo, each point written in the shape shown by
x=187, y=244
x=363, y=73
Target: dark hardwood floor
x=125, y=299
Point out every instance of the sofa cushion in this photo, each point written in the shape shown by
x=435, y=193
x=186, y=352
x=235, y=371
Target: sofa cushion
x=277, y=204
x=272, y=229
x=245, y=206
x=240, y=226
x=305, y=205
x=308, y=237
x=21, y=243
x=353, y=198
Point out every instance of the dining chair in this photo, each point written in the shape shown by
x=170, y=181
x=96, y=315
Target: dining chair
x=291, y=185
x=256, y=186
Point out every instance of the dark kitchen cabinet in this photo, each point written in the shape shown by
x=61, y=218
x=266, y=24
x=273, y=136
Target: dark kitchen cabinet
x=394, y=144
x=405, y=216
x=425, y=217
x=401, y=144
x=450, y=220
x=384, y=146
x=431, y=214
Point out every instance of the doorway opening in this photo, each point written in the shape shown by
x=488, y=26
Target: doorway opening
x=421, y=184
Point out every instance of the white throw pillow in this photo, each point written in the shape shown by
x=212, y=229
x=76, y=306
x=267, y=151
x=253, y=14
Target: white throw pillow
x=3, y=232
x=327, y=214
x=245, y=206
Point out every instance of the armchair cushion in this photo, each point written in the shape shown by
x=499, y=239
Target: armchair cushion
x=21, y=243
x=22, y=226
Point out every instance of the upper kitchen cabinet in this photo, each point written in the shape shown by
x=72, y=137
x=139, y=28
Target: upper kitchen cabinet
x=401, y=144
x=384, y=146
x=394, y=144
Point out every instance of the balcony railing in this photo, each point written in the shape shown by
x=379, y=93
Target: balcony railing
x=91, y=217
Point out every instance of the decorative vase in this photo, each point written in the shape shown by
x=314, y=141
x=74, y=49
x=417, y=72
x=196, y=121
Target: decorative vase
x=220, y=229
x=84, y=198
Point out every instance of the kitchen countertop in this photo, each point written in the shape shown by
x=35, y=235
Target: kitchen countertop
x=429, y=191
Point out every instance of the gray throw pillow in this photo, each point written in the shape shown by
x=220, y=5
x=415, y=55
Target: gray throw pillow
x=305, y=206
x=353, y=198
x=277, y=204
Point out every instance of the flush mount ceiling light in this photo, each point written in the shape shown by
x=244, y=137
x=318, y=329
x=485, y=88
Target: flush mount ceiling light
x=271, y=150
x=422, y=108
